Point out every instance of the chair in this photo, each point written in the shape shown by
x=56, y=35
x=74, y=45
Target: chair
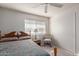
x=47, y=39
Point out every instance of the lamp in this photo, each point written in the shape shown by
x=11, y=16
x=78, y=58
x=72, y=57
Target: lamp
x=0, y=35
x=36, y=30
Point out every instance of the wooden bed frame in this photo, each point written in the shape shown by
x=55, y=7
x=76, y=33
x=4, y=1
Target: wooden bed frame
x=55, y=51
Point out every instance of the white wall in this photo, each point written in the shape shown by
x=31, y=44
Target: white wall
x=11, y=21
x=63, y=30
x=77, y=31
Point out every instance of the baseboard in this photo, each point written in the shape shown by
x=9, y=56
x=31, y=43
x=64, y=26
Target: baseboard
x=68, y=52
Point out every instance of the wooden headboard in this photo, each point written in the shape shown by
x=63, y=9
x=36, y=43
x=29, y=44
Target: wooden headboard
x=10, y=34
x=14, y=36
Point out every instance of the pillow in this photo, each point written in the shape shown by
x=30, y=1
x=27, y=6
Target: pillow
x=23, y=33
x=25, y=37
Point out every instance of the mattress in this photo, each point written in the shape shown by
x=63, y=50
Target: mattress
x=21, y=48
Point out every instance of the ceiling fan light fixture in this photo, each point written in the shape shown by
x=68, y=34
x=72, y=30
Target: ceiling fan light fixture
x=59, y=5
x=46, y=7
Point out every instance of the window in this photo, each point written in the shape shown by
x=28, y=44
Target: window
x=35, y=27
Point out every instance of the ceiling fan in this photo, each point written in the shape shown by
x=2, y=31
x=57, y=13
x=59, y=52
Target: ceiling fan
x=46, y=5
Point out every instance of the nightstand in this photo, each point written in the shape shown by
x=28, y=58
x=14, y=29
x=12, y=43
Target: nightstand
x=37, y=42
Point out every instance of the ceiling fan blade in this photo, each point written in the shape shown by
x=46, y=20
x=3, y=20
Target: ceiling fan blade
x=56, y=4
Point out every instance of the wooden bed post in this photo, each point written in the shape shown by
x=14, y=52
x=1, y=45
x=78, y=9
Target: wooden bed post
x=55, y=51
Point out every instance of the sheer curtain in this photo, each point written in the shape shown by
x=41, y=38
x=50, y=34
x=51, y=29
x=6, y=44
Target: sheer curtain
x=35, y=28
x=36, y=25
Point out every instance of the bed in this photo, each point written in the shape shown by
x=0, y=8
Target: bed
x=21, y=48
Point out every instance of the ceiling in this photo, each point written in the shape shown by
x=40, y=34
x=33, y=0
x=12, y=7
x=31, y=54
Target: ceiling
x=35, y=8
